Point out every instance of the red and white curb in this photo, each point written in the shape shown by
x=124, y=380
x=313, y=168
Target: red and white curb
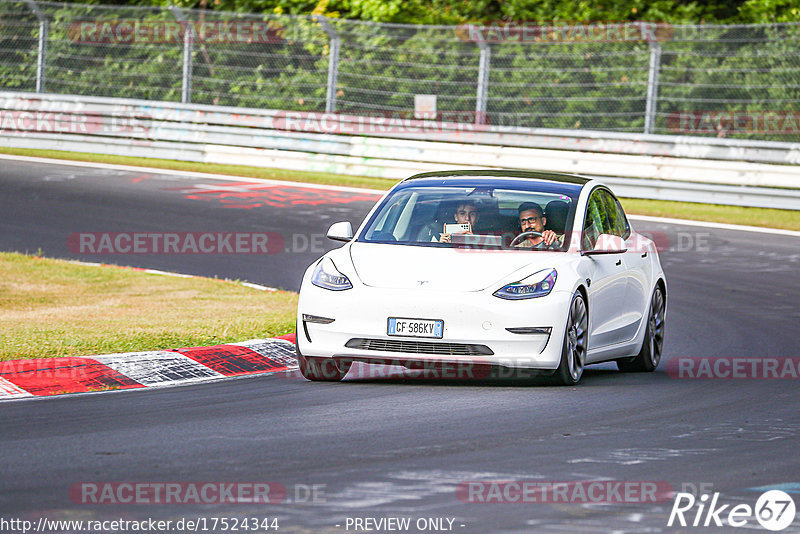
x=53, y=376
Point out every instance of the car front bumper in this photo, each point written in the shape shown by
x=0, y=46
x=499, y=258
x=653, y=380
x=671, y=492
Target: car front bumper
x=475, y=327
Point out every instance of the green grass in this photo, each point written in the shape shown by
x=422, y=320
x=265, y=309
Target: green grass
x=766, y=217
x=771, y=218
x=52, y=308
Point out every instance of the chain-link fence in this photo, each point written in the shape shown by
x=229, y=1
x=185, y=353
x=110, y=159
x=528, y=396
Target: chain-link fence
x=725, y=81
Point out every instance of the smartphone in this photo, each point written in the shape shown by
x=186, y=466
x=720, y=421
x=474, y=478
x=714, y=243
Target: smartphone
x=457, y=228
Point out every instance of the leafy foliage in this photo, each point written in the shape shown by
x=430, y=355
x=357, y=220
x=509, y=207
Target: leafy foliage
x=553, y=83
x=460, y=11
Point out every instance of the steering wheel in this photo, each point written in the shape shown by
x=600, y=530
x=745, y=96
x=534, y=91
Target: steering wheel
x=523, y=236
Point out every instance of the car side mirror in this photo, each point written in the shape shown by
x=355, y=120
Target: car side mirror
x=607, y=244
x=341, y=231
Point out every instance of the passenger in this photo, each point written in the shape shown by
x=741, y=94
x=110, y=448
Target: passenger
x=465, y=212
x=532, y=219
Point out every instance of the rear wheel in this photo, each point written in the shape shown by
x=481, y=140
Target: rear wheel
x=573, y=352
x=650, y=354
x=321, y=369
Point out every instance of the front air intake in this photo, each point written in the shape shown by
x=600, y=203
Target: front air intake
x=419, y=347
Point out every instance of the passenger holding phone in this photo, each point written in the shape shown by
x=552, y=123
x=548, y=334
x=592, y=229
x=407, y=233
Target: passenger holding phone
x=466, y=213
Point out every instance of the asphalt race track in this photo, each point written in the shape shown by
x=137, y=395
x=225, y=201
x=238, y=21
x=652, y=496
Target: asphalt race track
x=403, y=447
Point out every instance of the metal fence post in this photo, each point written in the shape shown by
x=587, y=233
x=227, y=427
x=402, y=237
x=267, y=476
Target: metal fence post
x=333, y=63
x=188, y=49
x=483, y=83
x=652, y=87
x=42, y=53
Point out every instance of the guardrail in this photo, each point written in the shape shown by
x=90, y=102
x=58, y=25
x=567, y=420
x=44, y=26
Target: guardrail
x=723, y=171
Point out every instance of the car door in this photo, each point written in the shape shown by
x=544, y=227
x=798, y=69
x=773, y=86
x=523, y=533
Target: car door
x=608, y=278
x=636, y=267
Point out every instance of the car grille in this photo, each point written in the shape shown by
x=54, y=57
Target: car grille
x=419, y=347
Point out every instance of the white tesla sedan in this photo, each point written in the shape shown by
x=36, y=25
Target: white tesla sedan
x=508, y=269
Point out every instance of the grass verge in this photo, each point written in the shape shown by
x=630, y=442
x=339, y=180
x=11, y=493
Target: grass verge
x=770, y=218
x=52, y=308
x=765, y=217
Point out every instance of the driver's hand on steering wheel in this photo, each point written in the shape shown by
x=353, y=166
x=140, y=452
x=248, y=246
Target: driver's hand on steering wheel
x=548, y=236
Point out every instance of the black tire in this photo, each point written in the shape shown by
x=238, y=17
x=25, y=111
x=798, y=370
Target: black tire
x=573, y=351
x=321, y=369
x=650, y=354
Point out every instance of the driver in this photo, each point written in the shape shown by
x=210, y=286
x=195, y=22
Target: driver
x=532, y=219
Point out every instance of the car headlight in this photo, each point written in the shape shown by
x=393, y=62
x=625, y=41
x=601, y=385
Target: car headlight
x=327, y=276
x=538, y=284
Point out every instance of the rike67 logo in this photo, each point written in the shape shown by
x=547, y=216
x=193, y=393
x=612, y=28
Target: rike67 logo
x=774, y=510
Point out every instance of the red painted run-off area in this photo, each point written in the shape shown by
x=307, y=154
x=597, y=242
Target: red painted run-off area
x=249, y=195
x=53, y=376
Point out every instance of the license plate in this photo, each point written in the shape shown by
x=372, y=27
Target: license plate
x=401, y=326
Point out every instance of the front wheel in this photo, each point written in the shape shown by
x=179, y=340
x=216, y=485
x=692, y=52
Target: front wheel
x=573, y=351
x=321, y=369
x=650, y=354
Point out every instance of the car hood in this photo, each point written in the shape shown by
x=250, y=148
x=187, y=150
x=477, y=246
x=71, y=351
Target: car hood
x=414, y=267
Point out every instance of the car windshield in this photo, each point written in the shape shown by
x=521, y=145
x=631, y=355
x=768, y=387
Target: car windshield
x=474, y=216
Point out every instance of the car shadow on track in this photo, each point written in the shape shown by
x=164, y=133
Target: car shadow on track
x=600, y=376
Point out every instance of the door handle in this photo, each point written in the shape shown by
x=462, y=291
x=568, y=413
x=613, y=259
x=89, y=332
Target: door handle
x=619, y=262
x=644, y=255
